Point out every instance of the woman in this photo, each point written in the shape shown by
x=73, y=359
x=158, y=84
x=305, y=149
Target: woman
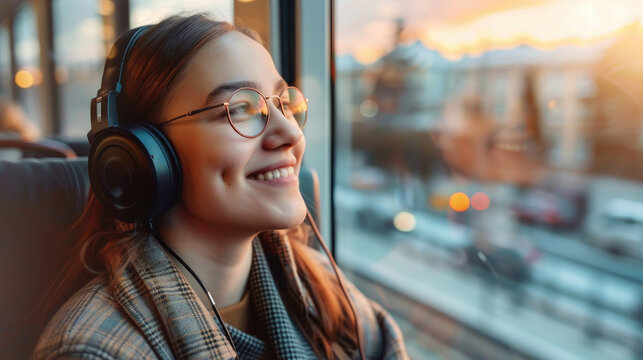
x=212, y=239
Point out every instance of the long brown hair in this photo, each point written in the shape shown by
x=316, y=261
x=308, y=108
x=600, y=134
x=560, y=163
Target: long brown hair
x=106, y=249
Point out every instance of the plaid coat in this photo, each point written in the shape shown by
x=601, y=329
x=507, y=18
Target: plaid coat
x=153, y=313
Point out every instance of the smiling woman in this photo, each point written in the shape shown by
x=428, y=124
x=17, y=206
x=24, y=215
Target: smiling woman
x=192, y=207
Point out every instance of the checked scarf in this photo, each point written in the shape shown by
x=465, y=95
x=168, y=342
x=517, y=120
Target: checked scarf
x=153, y=313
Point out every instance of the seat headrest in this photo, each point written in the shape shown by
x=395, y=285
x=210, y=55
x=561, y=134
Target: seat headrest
x=43, y=193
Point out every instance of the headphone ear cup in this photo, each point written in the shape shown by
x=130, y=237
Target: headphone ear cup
x=134, y=171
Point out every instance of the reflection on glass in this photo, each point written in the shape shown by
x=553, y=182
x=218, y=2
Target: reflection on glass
x=79, y=57
x=489, y=173
x=28, y=76
x=146, y=12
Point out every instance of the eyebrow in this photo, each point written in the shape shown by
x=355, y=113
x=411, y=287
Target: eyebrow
x=227, y=88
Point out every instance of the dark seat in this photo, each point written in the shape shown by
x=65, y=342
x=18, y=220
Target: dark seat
x=40, y=199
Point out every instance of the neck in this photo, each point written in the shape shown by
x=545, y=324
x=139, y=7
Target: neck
x=220, y=257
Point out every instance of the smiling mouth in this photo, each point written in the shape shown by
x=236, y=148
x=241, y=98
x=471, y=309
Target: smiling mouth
x=274, y=174
x=516, y=140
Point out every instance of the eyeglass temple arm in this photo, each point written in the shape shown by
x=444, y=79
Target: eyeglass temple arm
x=193, y=112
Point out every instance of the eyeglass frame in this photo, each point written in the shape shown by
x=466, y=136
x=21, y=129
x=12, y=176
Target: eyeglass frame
x=227, y=103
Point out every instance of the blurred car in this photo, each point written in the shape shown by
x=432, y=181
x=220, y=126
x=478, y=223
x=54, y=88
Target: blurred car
x=618, y=228
x=551, y=206
x=507, y=255
x=369, y=210
x=375, y=218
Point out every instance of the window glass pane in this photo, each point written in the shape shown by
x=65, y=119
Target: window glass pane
x=79, y=57
x=5, y=64
x=489, y=173
x=28, y=76
x=145, y=12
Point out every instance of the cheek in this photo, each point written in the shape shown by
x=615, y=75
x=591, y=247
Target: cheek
x=215, y=167
x=212, y=183
x=209, y=158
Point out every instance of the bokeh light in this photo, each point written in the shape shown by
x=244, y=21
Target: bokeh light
x=459, y=202
x=404, y=221
x=480, y=201
x=369, y=108
x=24, y=79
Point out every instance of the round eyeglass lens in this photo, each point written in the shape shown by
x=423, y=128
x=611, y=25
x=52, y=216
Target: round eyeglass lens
x=248, y=112
x=294, y=105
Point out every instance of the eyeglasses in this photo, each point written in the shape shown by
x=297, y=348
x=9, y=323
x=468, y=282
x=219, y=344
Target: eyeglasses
x=248, y=111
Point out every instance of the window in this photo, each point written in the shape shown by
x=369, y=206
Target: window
x=477, y=145
x=79, y=57
x=28, y=76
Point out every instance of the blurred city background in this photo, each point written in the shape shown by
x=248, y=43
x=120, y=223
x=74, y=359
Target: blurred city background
x=489, y=168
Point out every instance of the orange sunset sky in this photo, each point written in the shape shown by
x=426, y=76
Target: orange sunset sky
x=365, y=28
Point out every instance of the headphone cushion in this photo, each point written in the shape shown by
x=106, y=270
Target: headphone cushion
x=134, y=171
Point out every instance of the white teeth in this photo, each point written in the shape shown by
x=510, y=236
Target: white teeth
x=275, y=174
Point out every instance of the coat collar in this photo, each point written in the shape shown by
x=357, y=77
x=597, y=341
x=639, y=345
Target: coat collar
x=285, y=337
x=161, y=302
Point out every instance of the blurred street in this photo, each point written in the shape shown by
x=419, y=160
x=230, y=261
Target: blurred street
x=579, y=302
x=541, y=322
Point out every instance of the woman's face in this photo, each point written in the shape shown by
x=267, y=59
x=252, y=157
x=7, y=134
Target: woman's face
x=220, y=167
x=474, y=145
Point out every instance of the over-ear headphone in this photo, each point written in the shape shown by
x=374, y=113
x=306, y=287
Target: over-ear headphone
x=133, y=168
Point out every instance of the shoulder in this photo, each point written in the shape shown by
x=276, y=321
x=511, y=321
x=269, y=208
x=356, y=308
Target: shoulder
x=380, y=333
x=91, y=326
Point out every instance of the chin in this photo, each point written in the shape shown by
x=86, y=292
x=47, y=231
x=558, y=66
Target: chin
x=289, y=219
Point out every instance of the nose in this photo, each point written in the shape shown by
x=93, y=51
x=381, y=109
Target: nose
x=281, y=131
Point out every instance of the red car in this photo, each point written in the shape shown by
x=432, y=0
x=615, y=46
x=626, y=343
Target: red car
x=550, y=207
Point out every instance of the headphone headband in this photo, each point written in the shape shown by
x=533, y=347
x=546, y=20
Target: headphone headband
x=104, y=105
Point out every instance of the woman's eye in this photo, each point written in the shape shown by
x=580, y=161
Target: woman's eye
x=238, y=108
x=242, y=111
